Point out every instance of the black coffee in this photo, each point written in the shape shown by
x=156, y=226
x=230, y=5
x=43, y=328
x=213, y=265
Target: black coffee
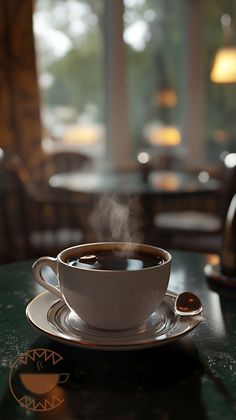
x=115, y=260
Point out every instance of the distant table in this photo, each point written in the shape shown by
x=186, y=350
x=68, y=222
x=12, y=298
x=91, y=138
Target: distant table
x=158, y=186
x=163, y=182
x=193, y=378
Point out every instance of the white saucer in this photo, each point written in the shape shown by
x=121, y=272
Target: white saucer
x=52, y=317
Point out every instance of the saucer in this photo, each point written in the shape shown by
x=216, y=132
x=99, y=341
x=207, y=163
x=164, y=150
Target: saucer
x=53, y=318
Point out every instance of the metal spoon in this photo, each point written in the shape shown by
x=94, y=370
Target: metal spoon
x=187, y=304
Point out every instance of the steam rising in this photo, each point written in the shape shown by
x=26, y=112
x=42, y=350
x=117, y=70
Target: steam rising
x=117, y=219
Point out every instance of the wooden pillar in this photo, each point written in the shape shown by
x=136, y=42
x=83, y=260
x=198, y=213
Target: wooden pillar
x=116, y=108
x=193, y=84
x=20, y=128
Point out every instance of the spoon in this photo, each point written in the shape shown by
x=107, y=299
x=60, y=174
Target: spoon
x=187, y=304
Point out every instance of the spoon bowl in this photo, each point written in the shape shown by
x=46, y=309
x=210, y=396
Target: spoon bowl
x=188, y=304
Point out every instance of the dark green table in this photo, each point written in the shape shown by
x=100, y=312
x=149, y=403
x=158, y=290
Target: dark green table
x=192, y=378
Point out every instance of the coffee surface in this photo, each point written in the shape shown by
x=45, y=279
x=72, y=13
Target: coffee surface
x=116, y=260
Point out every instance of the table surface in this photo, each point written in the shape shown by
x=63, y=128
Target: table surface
x=133, y=182
x=191, y=378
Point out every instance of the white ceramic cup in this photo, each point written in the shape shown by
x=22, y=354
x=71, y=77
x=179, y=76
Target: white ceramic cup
x=107, y=299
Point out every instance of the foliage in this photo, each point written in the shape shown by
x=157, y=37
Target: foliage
x=79, y=74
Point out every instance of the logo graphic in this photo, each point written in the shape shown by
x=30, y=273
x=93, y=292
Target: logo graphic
x=34, y=380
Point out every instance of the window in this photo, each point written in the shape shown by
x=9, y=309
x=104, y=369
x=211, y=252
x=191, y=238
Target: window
x=70, y=65
x=220, y=128
x=154, y=37
x=119, y=77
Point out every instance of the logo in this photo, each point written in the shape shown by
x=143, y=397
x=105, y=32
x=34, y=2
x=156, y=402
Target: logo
x=35, y=379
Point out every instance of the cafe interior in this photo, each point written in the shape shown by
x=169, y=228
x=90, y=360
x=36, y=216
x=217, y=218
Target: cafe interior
x=117, y=122
x=128, y=104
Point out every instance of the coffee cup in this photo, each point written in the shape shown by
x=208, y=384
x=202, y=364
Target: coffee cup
x=109, y=285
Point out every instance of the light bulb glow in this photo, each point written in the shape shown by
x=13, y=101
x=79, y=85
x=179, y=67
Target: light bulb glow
x=143, y=157
x=230, y=160
x=224, y=68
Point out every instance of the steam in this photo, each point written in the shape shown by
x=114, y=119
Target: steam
x=117, y=219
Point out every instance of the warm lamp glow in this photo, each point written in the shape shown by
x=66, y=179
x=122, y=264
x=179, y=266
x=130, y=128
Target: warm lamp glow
x=166, y=98
x=213, y=259
x=224, y=68
x=82, y=134
x=161, y=135
x=220, y=136
x=169, y=182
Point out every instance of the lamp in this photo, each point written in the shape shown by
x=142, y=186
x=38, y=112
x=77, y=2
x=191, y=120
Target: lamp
x=166, y=98
x=164, y=138
x=224, y=66
x=162, y=135
x=83, y=134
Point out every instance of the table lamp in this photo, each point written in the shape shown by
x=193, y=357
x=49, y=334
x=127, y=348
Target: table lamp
x=224, y=66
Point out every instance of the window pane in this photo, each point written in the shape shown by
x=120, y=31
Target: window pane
x=70, y=65
x=220, y=126
x=154, y=35
x=159, y=63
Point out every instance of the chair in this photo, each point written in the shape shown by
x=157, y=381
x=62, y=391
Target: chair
x=43, y=167
x=197, y=229
x=38, y=219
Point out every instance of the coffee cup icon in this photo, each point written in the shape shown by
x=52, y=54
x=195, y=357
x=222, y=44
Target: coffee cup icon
x=34, y=378
x=42, y=383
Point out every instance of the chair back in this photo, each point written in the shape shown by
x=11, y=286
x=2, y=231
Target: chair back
x=57, y=162
x=38, y=219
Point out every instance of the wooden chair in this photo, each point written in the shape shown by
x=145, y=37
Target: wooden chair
x=43, y=167
x=38, y=219
x=197, y=229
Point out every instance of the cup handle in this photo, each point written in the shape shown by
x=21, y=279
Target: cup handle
x=36, y=271
x=64, y=378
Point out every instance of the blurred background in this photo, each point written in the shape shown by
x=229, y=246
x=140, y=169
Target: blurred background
x=119, y=84
x=165, y=63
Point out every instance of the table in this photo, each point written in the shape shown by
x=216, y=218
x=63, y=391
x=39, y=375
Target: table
x=143, y=196
x=133, y=182
x=192, y=378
